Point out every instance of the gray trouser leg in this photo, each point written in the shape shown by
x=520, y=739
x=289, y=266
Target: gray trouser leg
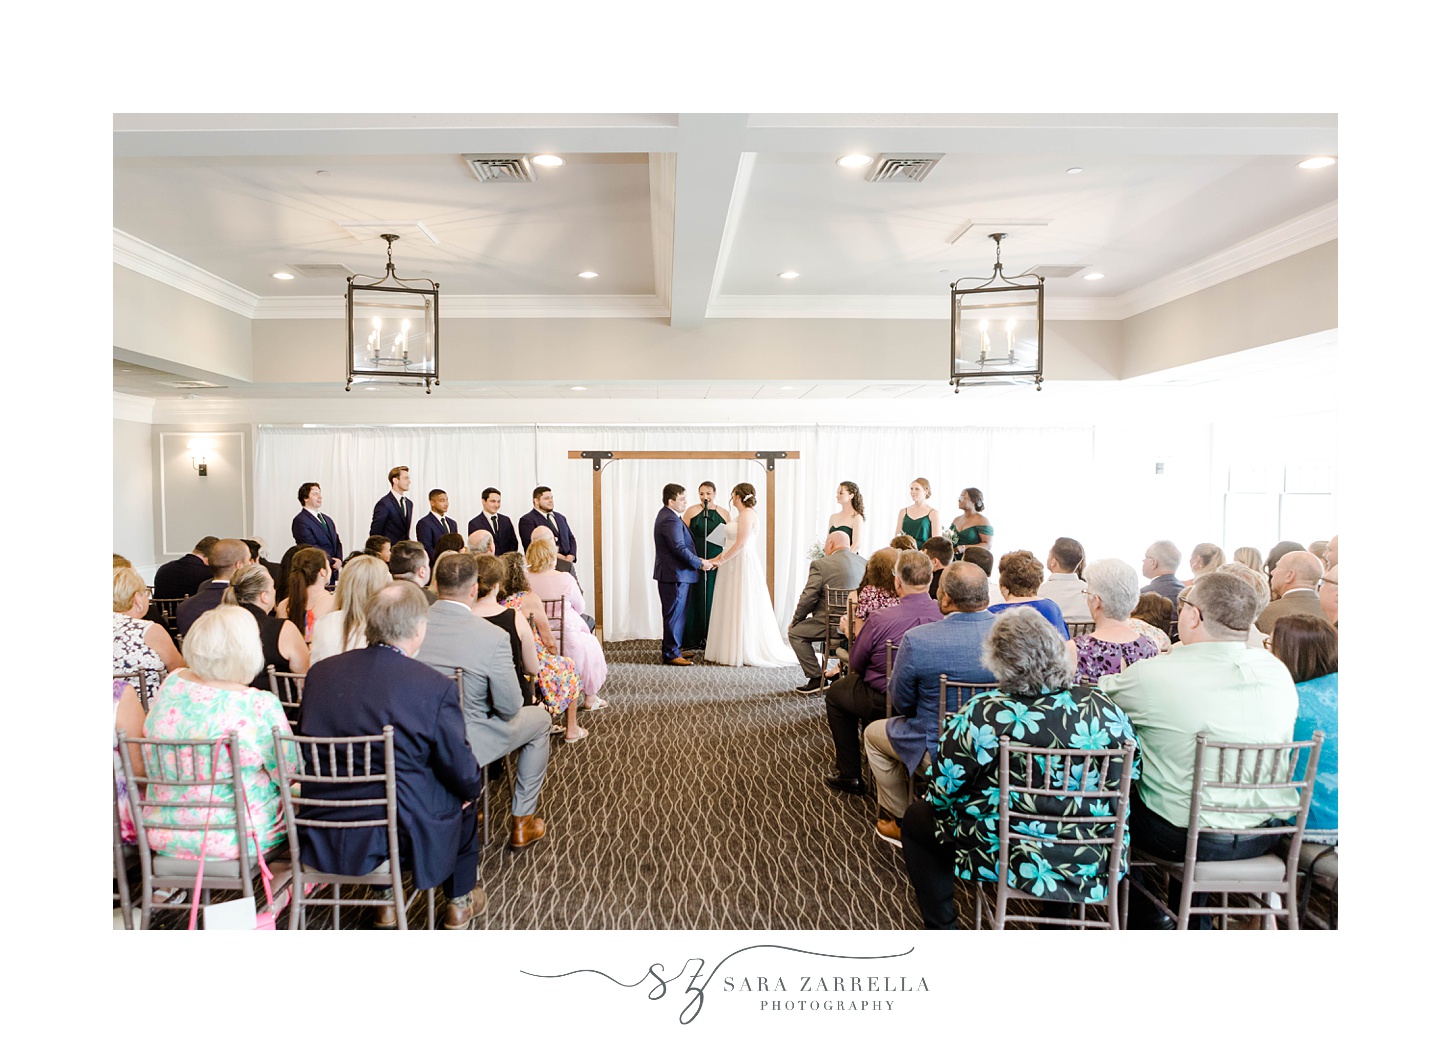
x=803, y=636
x=531, y=726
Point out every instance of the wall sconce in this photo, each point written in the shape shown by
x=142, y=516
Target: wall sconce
x=199, y=448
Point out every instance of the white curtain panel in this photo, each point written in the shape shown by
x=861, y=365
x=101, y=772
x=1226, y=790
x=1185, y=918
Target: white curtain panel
x=1039, y=483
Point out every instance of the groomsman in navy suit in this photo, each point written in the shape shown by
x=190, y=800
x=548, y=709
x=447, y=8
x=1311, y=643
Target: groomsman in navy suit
x=677, y=566
x=435, y=523
x=316, y=529
x=499, y=526
x=545, y=514
x=393, y=514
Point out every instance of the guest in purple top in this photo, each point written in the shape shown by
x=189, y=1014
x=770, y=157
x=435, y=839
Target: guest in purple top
x=860, y=697
x=1112, y=594
x=1020, y=575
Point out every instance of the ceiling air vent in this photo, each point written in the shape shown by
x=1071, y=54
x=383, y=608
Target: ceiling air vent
x=901, y=166
x=322, y=271
x=501, y=168
x=1056, y=271
x=190, y=384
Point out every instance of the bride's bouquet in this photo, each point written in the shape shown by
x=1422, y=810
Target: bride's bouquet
x=951, y=535
x=816, y=551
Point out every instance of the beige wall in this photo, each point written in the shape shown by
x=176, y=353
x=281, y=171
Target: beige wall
x=188, y=506
x=133, y=520
x=161, y=326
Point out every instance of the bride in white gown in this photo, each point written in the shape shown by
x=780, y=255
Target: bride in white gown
x=743, y=628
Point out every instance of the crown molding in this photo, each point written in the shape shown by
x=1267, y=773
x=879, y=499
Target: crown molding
x=885, y=306
x=481, y=306
x=132, y=407
x=154, y=263
x=1294, y=236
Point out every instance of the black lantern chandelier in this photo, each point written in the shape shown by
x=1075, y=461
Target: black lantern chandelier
x=997, y=328
x=392, y=329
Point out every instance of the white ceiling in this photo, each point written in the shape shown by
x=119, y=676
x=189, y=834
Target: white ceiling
x=699, y=212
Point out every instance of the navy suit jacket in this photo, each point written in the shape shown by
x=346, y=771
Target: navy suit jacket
x=180, y=578
x=307, y=529
x=357, y=693
x=675, y=557
x=504, y=540
x=531, y=521
x=388, y=521
x=430, y=529
x=190, y=610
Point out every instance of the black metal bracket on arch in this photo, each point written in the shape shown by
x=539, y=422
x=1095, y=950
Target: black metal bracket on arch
x=770, y=457
x=597, y=456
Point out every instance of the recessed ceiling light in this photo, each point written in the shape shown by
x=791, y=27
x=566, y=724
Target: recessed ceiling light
x=856, y=159
x=789, y=275
x=1074, y=170
x=578, y=388
x=1094, y=275
x=282, y=275
x=548, y=161
x=368, y=388
x=1316, y=162
x=589, y=275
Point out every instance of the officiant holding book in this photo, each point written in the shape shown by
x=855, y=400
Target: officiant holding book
x=703, y=519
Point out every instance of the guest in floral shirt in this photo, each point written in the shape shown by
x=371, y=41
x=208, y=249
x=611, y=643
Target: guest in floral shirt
x=954, y=831
x=878, y=589
x=205, y=701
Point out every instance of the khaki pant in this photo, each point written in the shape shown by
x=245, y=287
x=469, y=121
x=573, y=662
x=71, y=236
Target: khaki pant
x=888, y=769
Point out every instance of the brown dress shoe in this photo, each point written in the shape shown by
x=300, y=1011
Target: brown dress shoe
x=678, y=661
x=527, y=829
x=458, y=917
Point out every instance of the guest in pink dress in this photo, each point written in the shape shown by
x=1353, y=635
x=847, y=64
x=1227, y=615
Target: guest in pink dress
x=579, y=642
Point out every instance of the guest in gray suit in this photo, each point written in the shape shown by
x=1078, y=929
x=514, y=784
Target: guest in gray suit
x=840, y=567
x=498, y=722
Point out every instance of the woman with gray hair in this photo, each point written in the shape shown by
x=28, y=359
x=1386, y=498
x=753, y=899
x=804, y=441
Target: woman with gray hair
x=1257, y=638
x=1113, y=643
x=282, y=645
x=954, y=831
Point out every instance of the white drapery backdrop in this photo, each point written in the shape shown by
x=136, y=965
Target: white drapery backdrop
x=1039, y=483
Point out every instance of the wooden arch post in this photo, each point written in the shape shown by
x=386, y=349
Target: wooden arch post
x=601, y=458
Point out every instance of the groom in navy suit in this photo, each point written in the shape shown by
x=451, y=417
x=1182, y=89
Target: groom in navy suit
x=677, y=566
x=393, y=514
x=315, y=529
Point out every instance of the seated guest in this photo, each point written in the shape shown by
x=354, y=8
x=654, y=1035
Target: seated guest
x=860, y=697
x=182, y=577
x=1203, y=559
x=136, y=642
x=897, y=746
x=1113, y=591
x=433, y=575
x=579, y=643
x=877, y=590
x=120, y=562
x=307, y=598
x=258, y=553
x=1065, y=585
x=555, y=679
x=1295, y=587
x=983, y=559
x=495, y=715
x=1311, y=649
x=345, y=628
x=285, y=565
x=1161, y=561
x=839, y=567
x=902, y=541
x=226, y=557
x=451, y=541
x=1256, y=639
x=941, y=551
x=205, y=700
x=131, y=719
x=409, y=563
x=357, y=693
x=1330, y=595
x=1250, y=556
x=954, y=831
x=1277, y=552
x=1152, y=617
x=561, y=564
x=1020, y=575
x=1211, y=683
x=283, y=647
x=1319, y=548
x=378, y=547
x=481, y=541
x=1332, y=552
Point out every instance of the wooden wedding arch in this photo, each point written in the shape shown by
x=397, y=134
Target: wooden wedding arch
x=602, y=458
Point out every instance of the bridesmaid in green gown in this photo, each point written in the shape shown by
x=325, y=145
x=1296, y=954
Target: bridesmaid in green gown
x=919, y=519
x=701, y=519
x=850, y=517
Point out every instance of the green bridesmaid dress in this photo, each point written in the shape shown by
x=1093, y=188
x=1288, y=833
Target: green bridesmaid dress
x=918, y=528
x=697, y=605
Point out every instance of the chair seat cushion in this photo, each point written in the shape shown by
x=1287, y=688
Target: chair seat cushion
x=1266, y=869
x=1328, y=868
x=166, y=866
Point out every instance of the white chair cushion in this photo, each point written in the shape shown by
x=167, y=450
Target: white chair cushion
x=1266, y=869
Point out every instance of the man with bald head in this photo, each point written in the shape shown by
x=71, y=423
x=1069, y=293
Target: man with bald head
x=225, y=558
x=1294, y=583
x=481, y=541
x=841, y=567
x=1330, y=594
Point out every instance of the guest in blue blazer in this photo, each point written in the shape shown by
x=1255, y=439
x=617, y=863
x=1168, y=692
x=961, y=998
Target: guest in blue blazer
x=357, y=693
x=314, y=529
x=499, y=525
x=545, y=514
x=677, y=566
x=436, y=523
x=393, y=514
x=953, y=646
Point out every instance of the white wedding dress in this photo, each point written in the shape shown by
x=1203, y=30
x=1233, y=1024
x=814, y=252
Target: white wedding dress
x=743, y=629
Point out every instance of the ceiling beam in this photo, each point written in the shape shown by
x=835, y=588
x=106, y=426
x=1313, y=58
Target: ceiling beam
x=709, y=162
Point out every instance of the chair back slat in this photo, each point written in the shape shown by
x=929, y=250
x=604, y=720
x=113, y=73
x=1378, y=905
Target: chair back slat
x=288, y=689
x=1076, y=629
x=838, y=604
x=458, y=680
x=554, y=617
x=137, y=680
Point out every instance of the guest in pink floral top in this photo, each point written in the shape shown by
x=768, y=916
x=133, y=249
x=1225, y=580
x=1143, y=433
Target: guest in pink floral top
x=205, y=701
x=878, y=589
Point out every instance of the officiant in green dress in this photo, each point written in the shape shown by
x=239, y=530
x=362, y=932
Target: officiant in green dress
x=702, y=519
